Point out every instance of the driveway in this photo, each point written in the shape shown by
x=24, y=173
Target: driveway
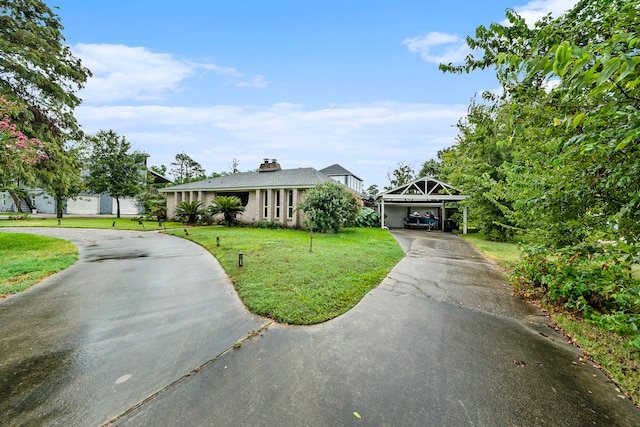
x=441, y=341
x=136, y=313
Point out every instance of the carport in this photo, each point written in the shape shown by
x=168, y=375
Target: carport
x=424, y=194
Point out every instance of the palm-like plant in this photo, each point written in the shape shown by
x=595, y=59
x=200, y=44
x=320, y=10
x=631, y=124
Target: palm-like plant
x=189, y=211
x=229, y=206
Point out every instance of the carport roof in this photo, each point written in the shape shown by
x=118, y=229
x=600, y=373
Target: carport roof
x=425, y=189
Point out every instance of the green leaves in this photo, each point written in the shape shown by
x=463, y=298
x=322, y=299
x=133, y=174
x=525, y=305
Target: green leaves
x=557, y=157
x=328, y=207
x=228, y=206
x=113, y=169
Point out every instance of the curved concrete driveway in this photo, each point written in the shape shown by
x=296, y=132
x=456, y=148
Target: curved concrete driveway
x=136, y=313
x=440, y=342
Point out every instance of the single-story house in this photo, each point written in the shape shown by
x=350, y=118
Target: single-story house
x=422, y=196
x=268, y=194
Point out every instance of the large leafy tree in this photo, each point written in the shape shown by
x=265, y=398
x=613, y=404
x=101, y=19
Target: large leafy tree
x=328, y=207
x=18, y=153
x=185, y=169
x=568, y=127
x=60, y=174
x=113, y=168
x=568, y=117
x=39, y=70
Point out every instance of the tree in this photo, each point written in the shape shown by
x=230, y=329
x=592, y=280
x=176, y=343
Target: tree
x=372, y=191
x=233, y=166
x=37, y=68
x=568, y=130
x=430, y=168
x=19, y=155
x=160, y=170
x=189, y=212
x=61, y=174
x=113, y=169
x=403, y=174
x=228, y=206
x=184, y=169
x=328, y=207
x=570, y=119
x=154, y=204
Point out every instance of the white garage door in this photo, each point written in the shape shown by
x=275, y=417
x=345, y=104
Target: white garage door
x=128, y=206
x=84, y=205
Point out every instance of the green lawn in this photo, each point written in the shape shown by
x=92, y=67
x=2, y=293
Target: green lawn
x=80, y=222
x=27, y=259
x=505, y=254
x=281, y=278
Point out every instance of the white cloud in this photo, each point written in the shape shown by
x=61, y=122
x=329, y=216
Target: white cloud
x=135, y=73
x=255, y=81
x=537, y=9
x=122, y=72
x=439, y=48
x=225, y=71
x=367, y=139
x=443, y=48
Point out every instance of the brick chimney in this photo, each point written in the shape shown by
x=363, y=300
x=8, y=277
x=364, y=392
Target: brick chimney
x=269, y=165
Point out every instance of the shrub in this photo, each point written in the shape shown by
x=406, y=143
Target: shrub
x=189, y=212
x=368, y=217
x=596, y=281
x=328, y=207
x=228, y=206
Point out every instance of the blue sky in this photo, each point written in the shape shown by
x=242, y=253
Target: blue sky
x=309, y=83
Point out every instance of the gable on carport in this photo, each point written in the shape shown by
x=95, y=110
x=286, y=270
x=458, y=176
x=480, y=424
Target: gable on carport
x=425, y=192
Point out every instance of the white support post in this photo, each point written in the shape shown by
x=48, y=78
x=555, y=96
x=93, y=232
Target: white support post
x=464, y=220
x=382, y=214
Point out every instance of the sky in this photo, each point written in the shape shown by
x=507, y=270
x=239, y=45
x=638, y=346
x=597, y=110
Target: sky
x=310, y=83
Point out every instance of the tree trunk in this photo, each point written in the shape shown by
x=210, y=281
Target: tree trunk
x=117, y=207
x=59, y=206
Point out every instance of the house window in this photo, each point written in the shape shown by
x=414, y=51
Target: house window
x=290, y=204
x=277, y=203
x=4, y=199
x=265, y=204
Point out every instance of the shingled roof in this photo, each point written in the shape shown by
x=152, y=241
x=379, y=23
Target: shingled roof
x=284, y=178
x=337, y=170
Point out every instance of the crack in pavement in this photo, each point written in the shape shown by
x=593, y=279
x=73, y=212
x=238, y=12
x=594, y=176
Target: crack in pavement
x=249, y=336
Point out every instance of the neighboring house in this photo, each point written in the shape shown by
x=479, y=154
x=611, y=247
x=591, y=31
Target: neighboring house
x=85, y=203
x=343, y=176
x=270, y=194
x=27, y=205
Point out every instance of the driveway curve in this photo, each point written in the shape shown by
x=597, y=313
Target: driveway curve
x=137, y=312
x=441, y=342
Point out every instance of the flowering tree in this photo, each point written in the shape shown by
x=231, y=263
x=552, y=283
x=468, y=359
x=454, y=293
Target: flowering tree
x=18, y=153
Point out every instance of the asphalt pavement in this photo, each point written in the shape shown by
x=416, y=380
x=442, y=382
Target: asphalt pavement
x=139, y=311
x=441, y=341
